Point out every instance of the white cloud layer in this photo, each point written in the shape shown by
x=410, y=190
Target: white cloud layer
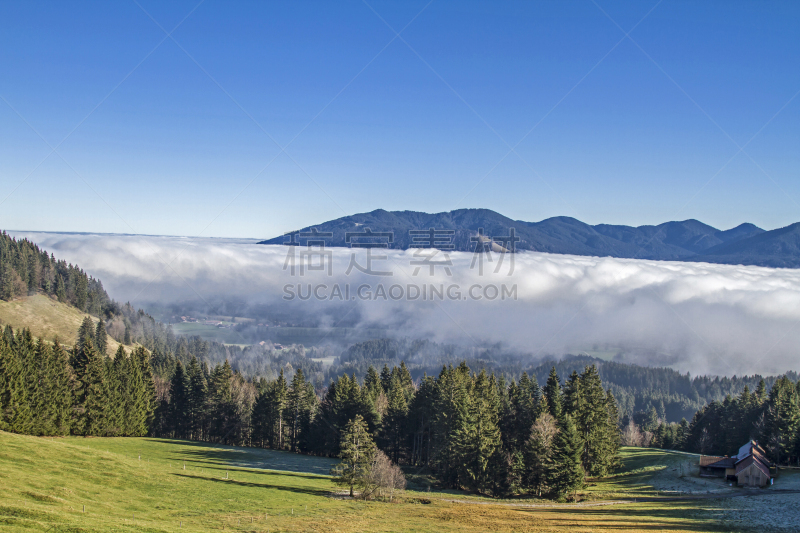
x=695, y=317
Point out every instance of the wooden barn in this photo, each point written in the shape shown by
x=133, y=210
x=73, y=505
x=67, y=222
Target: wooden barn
x=748, y=468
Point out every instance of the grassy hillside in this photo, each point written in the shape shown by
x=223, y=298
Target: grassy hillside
x=141, y=485
x=47, y=319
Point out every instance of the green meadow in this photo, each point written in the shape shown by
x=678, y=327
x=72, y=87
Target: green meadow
x=138, y=484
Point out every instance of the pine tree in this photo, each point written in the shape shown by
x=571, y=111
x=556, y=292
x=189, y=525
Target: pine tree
x=406, y=382
x=566, y=474
x=60, y=390
x=393, y=424
x=123, y=376
x=477, y=438
x=357, y=451
x=386, y=378
x=572, y=396
x=538, y=452
x=14, y=398
x=221, y=402
x=196, y=399
x=449, y=424
x=61, y=291
x=761, y=392
x=297, y=407
x=783, y=420
x=95, y=387
x=594, y=415
x=179, y=402
x=552, y=393
x=372, y=382
x=114, y=410
x=142, y=393
x=101, y=338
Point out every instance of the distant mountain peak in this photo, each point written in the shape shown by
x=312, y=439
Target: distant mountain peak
x=685, y=240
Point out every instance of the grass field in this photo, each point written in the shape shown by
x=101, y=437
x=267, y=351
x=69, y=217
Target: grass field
x=47, y=319
x=209, y=333
x=141, y=485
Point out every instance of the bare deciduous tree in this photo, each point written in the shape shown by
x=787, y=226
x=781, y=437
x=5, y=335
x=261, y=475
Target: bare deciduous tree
x=382, y=478
x=633, y=435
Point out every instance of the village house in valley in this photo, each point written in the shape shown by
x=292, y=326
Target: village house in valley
x=748, y=468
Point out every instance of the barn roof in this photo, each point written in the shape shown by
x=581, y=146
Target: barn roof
x=725, y=462
x=752, y=460
x=706, y=460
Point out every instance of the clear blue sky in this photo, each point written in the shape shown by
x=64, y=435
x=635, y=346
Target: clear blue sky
x=605, y=128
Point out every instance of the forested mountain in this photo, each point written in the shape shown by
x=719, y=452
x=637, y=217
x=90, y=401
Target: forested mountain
x=776, y=248
x=24, y=268
x=688, y=240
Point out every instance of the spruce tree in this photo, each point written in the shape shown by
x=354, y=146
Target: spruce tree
x=572, y=395
x=297, y=407
x=222, y=407
x=142, y=392
x=61, y=291
x=372, y=382
x=552, y=394
x=406, y=382
x=196, y=399
x=101, y=338
x=783, y=420
x=86, y=332
x=566, y=474
x=95, y=392
x=123, y=371
x=538, y=452
x=386, y=378
x=357, y=451
x=477, y=437
x=115, y=404
x=595, y=418
x=24, y=414
x=61, y=390
x=13, y=393
x=393, y=424
x=179, y=402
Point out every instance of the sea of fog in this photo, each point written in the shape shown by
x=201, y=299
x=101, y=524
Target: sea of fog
x=694, y=317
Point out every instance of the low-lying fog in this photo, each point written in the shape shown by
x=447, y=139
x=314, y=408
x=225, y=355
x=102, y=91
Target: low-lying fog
x=695, y=317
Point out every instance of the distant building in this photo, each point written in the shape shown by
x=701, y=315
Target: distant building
x=748, y=468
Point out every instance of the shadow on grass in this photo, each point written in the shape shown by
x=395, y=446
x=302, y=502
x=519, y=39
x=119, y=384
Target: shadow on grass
x=667, y=518
x=260, y=458
x=251, y=484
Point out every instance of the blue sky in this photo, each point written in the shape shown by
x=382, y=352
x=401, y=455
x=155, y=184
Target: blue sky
x=183, y=135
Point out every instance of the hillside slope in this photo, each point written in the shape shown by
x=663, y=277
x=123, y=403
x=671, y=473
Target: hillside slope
x=777, y=248
x=158, y=485
x=47, y=319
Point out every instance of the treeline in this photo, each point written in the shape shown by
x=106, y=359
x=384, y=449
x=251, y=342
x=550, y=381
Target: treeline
x=769, y=416
x=637, y=389
x=773, y=419
x=468, y=430
x=25, y=268
x=46, y=389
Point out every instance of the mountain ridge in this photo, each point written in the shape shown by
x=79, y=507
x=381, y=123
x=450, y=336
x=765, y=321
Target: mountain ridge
x=686, y=240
